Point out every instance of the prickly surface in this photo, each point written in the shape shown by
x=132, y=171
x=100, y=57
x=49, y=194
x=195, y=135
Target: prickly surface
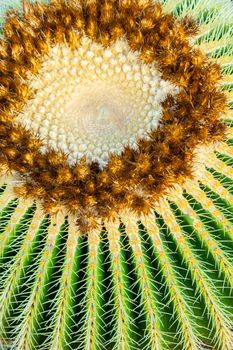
x=136, y=177
x=155, y=281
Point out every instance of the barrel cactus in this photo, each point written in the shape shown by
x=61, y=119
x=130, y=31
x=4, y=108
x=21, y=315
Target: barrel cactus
x=116, y=153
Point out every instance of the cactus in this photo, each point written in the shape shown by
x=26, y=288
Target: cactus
x=127, y=244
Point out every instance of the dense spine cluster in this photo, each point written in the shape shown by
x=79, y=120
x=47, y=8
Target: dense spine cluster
x=134, y=178
x=157, y=272
x=161, y=282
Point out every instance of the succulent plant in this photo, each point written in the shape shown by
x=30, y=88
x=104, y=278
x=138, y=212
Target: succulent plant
x=116, y=153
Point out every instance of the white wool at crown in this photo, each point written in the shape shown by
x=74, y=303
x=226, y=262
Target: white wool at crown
x=94, y=101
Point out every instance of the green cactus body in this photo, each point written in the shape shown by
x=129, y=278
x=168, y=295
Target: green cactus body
x=159, y=279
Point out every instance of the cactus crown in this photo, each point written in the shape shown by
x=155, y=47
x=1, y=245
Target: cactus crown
x=116, y=175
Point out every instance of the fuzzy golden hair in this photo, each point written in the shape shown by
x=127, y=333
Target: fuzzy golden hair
x=136, y=178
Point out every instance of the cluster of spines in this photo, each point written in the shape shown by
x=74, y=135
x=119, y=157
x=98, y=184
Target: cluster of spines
x=217, y=241
x=191, y=118
x=157, y=272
